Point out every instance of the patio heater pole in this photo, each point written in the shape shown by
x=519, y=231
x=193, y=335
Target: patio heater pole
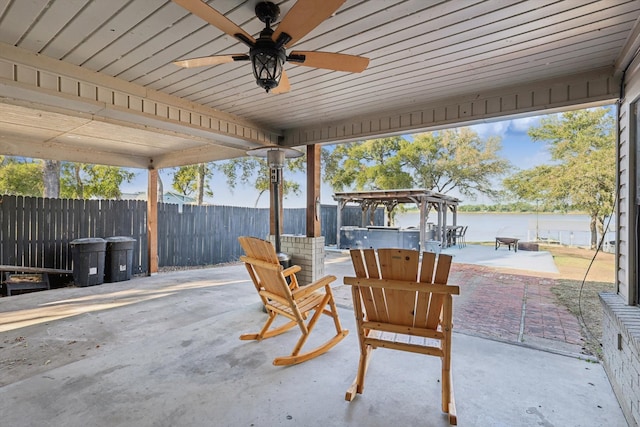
x=275, y=156
x=275, y=159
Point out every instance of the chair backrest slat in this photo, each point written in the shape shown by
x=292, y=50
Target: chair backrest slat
x=426, y=276
x=373, y=299
x=435, y=307
x=399, y=264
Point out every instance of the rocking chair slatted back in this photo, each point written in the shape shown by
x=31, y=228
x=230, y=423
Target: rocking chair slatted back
x=403, y=304
x=409, y=308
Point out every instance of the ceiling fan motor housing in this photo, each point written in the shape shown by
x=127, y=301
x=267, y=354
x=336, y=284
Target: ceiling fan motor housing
x=267, y=12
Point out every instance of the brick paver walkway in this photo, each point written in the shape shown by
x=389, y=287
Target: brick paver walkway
x=513, y=308
x=504, y=306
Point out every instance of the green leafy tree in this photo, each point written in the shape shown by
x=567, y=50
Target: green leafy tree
x=369, y=165
x=83, y=181
x=194, y=179
x=256, y=171
x=20, y=177
x=454, y=159
x=582, y=175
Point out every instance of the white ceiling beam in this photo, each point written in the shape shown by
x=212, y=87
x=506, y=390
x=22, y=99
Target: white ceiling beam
x=599, y=87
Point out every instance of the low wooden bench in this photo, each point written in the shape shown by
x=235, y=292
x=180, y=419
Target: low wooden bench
x=509, y=241
x=34, y=278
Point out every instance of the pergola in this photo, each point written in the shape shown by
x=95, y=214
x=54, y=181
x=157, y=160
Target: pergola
x=423, y=199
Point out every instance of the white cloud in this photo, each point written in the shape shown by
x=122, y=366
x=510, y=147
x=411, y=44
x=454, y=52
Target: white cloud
x=523, y=124
x=485, y=130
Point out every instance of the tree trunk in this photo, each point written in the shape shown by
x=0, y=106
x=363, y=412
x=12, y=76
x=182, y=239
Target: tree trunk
x=160, y=189
x=51, y=178
x=601, y=228
x=594, y=231
x=200, y=177
x=79, y=184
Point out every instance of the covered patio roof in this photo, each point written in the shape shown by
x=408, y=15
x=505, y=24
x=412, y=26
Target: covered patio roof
x=95, y=81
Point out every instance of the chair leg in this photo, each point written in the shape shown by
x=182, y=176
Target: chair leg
x=358, y=383
x=295, y=356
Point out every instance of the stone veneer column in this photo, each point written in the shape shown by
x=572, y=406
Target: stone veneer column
x=307, y=252
x=621, y=352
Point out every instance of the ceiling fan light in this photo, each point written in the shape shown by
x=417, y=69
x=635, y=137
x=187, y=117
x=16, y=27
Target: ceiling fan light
x=267, y=68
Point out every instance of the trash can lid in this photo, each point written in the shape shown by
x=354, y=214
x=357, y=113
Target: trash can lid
x=87, y=240
x=120, y=239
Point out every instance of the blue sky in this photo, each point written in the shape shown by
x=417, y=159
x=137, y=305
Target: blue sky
x=517, y=147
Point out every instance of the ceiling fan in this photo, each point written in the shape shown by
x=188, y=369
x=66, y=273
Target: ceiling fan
x=268, y=53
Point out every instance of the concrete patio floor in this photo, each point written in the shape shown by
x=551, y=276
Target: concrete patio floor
x=164, y=351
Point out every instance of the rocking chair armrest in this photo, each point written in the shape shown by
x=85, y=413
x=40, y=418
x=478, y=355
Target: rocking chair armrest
x=312, y=287
x=291, y=270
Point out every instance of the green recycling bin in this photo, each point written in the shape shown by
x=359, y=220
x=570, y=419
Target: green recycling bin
x=119, y=258
x=88, y=261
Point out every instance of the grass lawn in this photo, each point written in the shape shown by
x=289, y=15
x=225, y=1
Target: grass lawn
x=580, y=295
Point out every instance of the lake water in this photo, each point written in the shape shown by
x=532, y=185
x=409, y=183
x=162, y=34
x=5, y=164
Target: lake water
x=569, y=229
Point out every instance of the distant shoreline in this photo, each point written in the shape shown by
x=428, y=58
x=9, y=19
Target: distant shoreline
x=415, y=210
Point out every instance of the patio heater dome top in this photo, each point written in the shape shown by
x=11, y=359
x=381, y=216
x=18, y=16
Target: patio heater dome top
x=275, y=154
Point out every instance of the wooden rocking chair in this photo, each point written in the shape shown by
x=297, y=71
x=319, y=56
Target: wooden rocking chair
x=288, y=299
x=402, y=305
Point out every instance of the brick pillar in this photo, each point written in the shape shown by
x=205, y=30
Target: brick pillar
x=307, y=252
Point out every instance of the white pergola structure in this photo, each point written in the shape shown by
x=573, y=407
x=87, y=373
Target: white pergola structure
x=424, y=200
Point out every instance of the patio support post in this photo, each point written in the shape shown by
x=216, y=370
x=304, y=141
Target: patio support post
x=152, y=221
x=443, y=209
x=313, y=191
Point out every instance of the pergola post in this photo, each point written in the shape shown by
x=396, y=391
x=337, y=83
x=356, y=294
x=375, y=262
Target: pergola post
x=341, y=203
x=422, y=205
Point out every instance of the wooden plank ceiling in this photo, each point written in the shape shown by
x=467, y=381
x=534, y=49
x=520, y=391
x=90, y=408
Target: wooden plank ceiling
x=422, y=52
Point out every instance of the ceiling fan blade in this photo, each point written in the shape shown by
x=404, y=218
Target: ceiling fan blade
x=215, y=18
x=211, y=60
x=332, y=61
x=304, y=16
x=284, y=86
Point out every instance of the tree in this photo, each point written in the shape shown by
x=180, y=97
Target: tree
x=582, y=175
x=439, y=161
x=83, y=181
x=20, y=177
x=194, y=179
x=454, y=159
x=256, y=171
x=369, y=165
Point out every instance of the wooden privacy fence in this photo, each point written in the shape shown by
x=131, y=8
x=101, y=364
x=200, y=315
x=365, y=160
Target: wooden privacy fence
x=37, y=232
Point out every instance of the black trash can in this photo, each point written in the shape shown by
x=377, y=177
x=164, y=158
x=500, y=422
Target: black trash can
x=119, y=258
x=88, y=261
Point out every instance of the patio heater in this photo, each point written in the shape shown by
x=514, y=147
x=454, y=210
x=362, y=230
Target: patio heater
x=276, y=156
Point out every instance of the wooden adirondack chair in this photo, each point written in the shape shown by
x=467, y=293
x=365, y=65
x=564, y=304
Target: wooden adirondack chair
x=400, y=304
x=289, y=300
